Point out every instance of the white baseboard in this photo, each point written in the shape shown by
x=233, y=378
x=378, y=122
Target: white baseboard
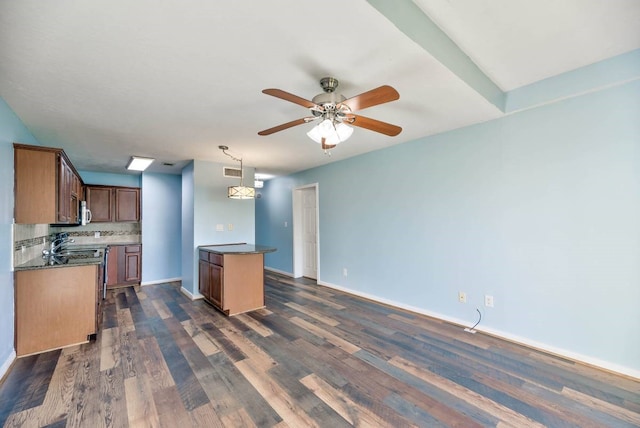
x=281, y=272
x=191, y=295
x=7, y=363
x=606, y=365
x=161, y=281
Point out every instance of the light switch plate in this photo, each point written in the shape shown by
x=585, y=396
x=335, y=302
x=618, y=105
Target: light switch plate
x=219, y=227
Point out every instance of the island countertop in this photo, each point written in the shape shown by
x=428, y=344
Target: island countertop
x=237, y=249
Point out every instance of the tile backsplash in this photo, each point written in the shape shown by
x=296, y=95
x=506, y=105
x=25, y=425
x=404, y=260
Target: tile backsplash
x=31, y=239
x=28, y=241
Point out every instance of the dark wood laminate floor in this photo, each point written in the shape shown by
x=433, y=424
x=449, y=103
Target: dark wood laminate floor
x=314, y=357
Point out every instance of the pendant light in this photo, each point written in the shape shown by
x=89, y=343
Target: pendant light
x=241, y=191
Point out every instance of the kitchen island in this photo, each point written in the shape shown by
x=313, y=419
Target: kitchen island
x=231, y=276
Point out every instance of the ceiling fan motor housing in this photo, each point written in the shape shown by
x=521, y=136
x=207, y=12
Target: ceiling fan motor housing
x=328, y=98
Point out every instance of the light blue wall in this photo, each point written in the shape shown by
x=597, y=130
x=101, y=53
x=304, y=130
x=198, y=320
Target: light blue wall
x=210, y=207
x=540, y=209
x=110, y=179
x=273, y=209
x=188, y=213
x=11, y=130
x=161, y=227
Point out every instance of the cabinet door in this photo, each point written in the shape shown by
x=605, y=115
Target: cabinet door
x=217, y=292
x=132, y=263
x=112, y=265
x=76, y=196
x=35, y=186
x=127, y=204
x=204, y=280
x=100, y=202
x=64, y=191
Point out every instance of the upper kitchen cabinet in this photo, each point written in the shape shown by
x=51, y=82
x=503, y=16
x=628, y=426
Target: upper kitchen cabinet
x=127, y=204
x=113, y=204
x=48, y=189
x=100, y=203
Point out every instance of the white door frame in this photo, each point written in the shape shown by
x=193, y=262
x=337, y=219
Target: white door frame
x=298, y=258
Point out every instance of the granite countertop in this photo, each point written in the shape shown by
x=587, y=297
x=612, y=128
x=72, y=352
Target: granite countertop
x=237, y=249
x=81, y=259
x=100, y=245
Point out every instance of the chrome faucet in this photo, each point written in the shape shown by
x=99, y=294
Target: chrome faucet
x=57, y=244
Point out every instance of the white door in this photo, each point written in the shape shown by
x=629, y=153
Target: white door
x=309, y=239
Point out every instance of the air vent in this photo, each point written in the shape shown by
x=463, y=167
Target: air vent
x=232, y=172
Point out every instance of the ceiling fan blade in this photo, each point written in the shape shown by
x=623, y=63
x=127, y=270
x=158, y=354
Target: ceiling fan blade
x=371, y=98
x=284, y=126
x=279, y=93
x=374, y=125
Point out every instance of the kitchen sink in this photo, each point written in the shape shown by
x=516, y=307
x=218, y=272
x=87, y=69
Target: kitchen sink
x=80, y=252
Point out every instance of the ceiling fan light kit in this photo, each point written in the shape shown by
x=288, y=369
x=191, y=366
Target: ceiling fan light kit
x=330, y=132
x=241, y=191
x=335, y=113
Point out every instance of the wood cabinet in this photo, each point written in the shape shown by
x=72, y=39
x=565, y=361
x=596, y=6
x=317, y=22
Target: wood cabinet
x=204, y=279
x=55, y=307
x=211, y=276
x=124, y=265
x=64, y=191
x=48, y=189
x=127, y=204
x=100, y=202
x=233, y=283
x=113, y=204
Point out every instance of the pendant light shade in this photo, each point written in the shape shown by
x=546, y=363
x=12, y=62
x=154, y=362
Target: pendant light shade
x=241, y=192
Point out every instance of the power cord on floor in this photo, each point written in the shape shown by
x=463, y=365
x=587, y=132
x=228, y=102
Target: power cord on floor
x=471, y=330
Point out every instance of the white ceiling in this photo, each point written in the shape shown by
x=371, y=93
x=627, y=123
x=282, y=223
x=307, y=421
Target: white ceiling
x=173, y=80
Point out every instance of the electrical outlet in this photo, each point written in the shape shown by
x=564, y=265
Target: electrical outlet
x=219, y=227
x=462, y=297
x=230, y=226
x=286, y=224
x=344, y=272
x=488, y=301
x=96, y=234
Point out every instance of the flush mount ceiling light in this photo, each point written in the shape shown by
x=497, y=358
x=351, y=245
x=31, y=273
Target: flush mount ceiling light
x=137, y=163
x=241, y=191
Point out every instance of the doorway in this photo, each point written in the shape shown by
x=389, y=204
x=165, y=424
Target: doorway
x=305, y=232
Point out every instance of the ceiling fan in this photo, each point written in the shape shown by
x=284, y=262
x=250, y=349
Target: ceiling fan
x=335, y=112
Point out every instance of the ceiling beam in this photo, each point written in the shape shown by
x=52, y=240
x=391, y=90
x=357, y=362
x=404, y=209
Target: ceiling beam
x=416, y=25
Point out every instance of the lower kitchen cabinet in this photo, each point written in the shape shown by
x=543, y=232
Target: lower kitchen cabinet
x=124, y=265
x=204, y=278
x=55, y=307
x=232, y=283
